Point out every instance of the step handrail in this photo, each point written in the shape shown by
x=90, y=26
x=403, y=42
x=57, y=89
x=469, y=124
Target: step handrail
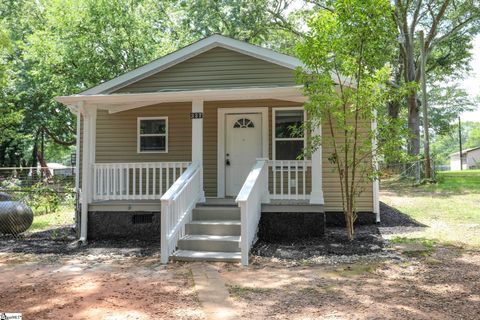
x=177, y=205
x=254, y=191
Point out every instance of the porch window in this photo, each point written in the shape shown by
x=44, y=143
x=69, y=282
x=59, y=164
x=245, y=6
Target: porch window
x=287, y=143
x=152, y=135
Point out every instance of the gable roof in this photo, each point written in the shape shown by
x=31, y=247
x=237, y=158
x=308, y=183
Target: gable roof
x=190, y=51
x=465, y=151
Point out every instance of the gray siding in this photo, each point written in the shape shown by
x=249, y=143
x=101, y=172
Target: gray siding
x=117, y=134
x=215, y=69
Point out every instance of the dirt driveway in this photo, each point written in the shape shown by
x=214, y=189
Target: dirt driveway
x=444, y=284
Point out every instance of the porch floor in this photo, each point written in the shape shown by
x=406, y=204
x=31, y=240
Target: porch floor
x=155, y=205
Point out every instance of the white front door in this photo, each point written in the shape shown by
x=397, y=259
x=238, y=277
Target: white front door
x=243, y=145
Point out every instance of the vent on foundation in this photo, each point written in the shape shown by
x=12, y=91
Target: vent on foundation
x=142, y=218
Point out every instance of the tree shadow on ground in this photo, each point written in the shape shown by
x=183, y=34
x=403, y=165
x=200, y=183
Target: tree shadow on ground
x=439, y=286
x=86, y=289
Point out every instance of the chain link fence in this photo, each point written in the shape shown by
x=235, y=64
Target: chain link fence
x=37, y=200
x=413, y=171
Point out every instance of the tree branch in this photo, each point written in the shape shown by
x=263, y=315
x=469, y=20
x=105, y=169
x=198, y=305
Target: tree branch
x=56, y=139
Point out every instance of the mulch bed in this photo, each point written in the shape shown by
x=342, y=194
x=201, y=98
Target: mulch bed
x=62, y=241
x=335, y=243
x=368, y=240
x=391, y=217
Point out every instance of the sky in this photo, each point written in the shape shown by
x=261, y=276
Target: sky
x=472, y=83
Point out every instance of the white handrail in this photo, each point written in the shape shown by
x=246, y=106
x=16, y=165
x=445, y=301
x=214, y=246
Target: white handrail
x=254, y=191
x=289, y=179
x=177, y=205
x=134, y=181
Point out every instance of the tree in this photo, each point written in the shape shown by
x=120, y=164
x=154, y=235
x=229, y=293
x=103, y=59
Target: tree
x=351, y=43
x=263, y=22
x=64, y=47
x=448, y=24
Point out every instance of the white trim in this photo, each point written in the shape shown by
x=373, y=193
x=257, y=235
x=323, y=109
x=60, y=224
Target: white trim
x=126, y=101
x=316, y=196
x=191, y=51
x=77, y=151
x=139, y=119
x=88, y=160
x=197, y=143
x=274, y=138
x=376, y=182
x=221, y=113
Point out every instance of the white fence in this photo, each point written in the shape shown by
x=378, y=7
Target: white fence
x=135, y=181
x=177, y=205
x=290, y=179
x=253, y=193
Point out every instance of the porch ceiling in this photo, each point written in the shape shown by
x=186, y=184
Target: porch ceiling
x=121, y=102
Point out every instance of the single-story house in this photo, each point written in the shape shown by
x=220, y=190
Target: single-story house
x=470, y=159
x=196, y=148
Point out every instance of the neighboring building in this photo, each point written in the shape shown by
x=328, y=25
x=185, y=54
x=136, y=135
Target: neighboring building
x=56, y=169
x=470, y=159
x=194, y=148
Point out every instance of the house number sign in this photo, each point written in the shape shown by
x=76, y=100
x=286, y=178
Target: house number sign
x=196, y=115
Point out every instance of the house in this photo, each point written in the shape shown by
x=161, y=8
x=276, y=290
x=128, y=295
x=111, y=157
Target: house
x=195, y=148
x=470, y=159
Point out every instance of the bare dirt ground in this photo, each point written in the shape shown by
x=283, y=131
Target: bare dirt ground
x=95, y=287
x=44, y=277
x=444, y=284
x=441, y=284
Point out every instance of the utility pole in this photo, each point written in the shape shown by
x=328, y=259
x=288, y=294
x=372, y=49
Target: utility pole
x=426, y=144
x=460, y=139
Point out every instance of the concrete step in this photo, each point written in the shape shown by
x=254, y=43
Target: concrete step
x=187, y=255
x=209, y=243
x=214, y=227
x=216, y=213
x=219, y=202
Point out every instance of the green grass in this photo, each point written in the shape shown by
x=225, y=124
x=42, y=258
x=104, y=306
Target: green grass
x=62, y=217
x=237, y=291
x=450, y=208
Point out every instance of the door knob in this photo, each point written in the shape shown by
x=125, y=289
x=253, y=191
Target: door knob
x=227, y=162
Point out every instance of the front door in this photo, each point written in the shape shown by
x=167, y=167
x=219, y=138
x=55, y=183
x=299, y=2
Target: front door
x=243, y=146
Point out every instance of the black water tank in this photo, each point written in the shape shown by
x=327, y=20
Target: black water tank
x=15, y=217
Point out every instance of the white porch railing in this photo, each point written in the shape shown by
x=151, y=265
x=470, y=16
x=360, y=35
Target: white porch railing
x=290, y=179
x=135, y=181
x=177, y=205
x=254, y=191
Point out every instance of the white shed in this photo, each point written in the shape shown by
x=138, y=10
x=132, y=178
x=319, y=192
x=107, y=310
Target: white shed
x=470, y=159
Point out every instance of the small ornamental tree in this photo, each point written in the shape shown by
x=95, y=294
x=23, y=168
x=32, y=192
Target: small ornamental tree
x=345, y=75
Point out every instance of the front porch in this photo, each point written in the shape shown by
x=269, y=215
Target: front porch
x=174, y=192
x=235, y=152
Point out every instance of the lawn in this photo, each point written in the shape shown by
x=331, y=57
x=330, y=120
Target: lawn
x=449, y=208
x=64, y=216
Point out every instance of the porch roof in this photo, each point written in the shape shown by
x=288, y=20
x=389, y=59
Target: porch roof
x=121, y=102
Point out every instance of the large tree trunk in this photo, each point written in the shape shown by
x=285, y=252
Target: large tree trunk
x=413, y=124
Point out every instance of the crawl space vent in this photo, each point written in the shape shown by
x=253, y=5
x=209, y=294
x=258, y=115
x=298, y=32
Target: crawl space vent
x=142, y=218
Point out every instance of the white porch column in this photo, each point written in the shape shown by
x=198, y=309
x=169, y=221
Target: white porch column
x=316, y=196
x=88, y=160
x=197, y=138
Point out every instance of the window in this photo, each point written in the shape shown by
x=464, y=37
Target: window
x=287, y=143
x=244, y=123
x=152, y=135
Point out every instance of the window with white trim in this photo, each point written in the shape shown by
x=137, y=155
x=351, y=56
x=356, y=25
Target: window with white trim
x=152, y=135
x=288, y=143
